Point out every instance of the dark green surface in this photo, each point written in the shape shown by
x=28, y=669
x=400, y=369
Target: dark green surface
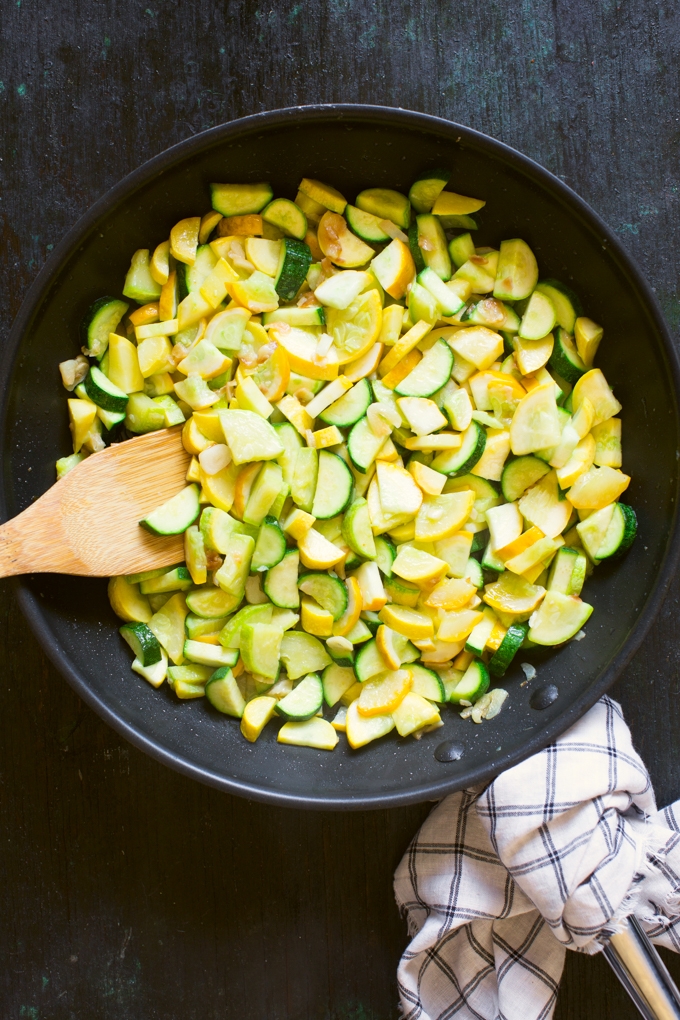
x=128, y=891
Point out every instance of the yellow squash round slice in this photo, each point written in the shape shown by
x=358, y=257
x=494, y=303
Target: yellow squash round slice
x=355, y=329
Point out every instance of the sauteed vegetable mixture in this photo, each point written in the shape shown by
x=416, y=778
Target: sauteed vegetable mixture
x=404, y=462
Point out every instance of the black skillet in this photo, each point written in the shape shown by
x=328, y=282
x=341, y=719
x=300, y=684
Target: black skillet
x=351, y=147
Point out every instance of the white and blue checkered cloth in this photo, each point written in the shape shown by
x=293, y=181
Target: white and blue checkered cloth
x=501, y=880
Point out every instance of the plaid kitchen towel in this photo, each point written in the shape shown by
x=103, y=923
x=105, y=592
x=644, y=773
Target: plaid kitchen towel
x=502, y=879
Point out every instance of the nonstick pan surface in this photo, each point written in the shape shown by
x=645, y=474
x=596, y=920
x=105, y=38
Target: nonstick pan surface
x=351, y=147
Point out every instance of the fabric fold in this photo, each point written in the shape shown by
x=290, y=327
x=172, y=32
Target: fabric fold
x=551, y=855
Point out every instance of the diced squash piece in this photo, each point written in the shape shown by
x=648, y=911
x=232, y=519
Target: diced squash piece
x=478, y=345
x=597, y=488
x=415, y=713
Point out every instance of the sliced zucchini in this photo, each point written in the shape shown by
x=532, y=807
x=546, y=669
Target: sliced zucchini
x=431, y=373
x=385, y=554
x=310, y=316
x=240, y=199
x=386, y=205
x=414, y=247
x=448, y=302
x=565, y=359
x=101, y=318
x=336, y=680
x=620, y=534
x=479, y=272
x=369, y=661
x=567, y=571
x=305, y=473
x=177, y=579
x=209, y=655
x=461, y=222
x=491, y=562
x=520, y=474
x=462, y=460
x=304, y=701
x=363, y=445
x=427, y=188
x=280, y=583
x=341, y=650
x=366, y=226
x=372, y=620
x=333, y=486
x=155, y=674
x=176, y=515
x=557, y=619
x=143, y=642
x=539, y=317
x=478, y=637
x=270, y=545
x=426, y=683
x=230, y=636
x=422, y=304
x=402, y=592
x=328, y=591
x=513, y=639
x=146, y=575
x=260, y=648
x=517, y=271
x=302, y=653
x=493, y=313
x=224, y=693
x=474, y=682
x=188, y=680
x=104, y=394
x=197, y=627
x=287, y=216
x=195, y=275
x=608, y=532
x=461, y=249
x=294, y=261
x=473, y=572
x=139, y=283
x=350, y=407
x=566, y=304
x=435, y=252
x=357, y=532
x=211, y=603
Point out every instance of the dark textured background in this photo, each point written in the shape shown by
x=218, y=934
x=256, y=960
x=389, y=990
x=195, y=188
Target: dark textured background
x=127, y=891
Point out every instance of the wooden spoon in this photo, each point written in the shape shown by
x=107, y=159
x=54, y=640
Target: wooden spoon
x=88, y=522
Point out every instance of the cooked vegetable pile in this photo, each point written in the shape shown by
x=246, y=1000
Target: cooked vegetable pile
x=404, y=464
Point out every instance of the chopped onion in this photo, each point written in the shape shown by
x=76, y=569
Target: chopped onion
x=323, y=347
x=266, y=350
x=280, y=689
x=243, y=263
x=580, y=636
x=309, y=436
x=308, y=300
x=215, y=458
x=74, y=371
x=528, y=670
x=393, y=230
x=94, y=441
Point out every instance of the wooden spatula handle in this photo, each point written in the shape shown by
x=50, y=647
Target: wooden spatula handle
x=88, y=522
x=35, y=542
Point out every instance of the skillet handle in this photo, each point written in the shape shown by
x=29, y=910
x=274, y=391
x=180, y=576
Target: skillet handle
x=642, y=972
